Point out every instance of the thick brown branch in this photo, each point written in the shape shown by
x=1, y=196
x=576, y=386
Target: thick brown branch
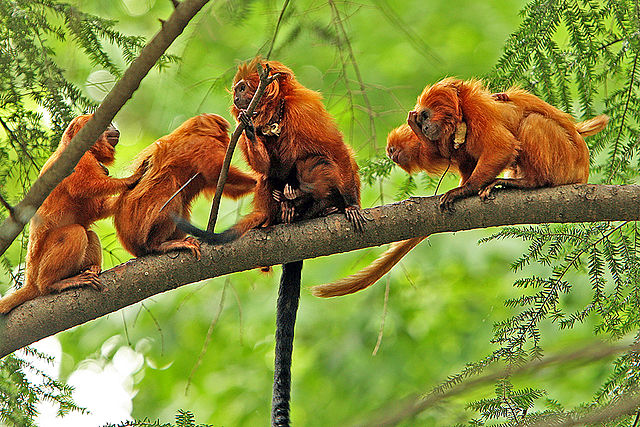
x=141, y=278
x=115, y=99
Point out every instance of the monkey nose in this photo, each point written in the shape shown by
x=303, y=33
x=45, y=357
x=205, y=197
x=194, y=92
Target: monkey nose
x=113, y=135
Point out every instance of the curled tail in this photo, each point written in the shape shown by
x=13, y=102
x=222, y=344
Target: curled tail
x=370, y=274
x=18, y=297
x=592, y=126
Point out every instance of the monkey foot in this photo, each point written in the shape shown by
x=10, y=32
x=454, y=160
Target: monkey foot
x=446, y=201
x=485, y=194
x=278, y=196
x=330, y=210
x=355, y=216
x=189, y=242
x=500, y=96
x=287, y=212
x=88, y=277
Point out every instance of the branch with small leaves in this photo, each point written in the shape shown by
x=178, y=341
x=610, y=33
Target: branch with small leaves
x=104, y=114
x=265, y=80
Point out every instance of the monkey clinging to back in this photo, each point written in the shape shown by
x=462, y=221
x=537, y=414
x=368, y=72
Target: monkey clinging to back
x=534, y=143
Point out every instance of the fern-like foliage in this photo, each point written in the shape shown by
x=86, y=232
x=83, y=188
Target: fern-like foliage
x=30, y=77
x=19, y=395
x=581, y=56
x=183, y=419
x=37, y=102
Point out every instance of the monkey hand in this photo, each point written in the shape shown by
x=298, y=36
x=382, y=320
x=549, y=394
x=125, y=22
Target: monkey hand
x=355, y=216
x=412, y=121
x=249, y=128
x=278, y=196
x=501, y=96
x=292, y=193
x=131, y=181
x=416, y=126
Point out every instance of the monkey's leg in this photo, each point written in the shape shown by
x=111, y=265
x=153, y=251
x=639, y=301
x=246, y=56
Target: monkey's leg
x=164, y=237
x=64, y=258
x=490, y=164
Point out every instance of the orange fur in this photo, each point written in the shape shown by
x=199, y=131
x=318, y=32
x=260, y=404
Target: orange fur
x=196, y=146
x=309, y=153
x=62, y=251
x=534, y=143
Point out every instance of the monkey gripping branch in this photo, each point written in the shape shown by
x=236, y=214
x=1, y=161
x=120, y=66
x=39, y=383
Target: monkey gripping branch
x=143, y=277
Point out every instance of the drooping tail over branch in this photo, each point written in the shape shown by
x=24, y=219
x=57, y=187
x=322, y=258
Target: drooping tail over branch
x=370, y=274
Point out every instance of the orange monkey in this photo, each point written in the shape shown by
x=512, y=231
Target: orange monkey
x=196, y=146
x=536, y=145
x=62, y=252
x=292, y=143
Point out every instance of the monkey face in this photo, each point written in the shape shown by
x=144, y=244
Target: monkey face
x=425, y=125
x=104, y=147
x=112, y=135
x=242, y=95
x=401, y=148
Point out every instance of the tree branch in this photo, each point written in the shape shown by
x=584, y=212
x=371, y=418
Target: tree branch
x=419, y=216
x=113, y=102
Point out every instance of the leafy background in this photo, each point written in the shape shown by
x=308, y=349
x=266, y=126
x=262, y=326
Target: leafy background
x=208, y=347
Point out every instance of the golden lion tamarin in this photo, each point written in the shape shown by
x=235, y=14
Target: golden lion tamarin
x=534, y=143
x=197, y=146
x=62, y=252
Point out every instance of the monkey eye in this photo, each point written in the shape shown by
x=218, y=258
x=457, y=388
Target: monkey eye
x=390, y=150
x=241, y=86
x=425, y=115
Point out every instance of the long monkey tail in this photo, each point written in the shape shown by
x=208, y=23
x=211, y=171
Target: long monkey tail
x=287, y=306
x=592, y=126
x=14, y=299
x=370, y=274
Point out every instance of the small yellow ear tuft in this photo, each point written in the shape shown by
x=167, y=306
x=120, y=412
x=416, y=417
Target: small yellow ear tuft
x=460, y=136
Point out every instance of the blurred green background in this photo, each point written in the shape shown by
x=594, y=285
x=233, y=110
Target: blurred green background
x=443, y=298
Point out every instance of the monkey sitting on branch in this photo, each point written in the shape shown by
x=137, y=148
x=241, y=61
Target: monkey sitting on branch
x=192, y=154
x=63, y=252
x=305, y=170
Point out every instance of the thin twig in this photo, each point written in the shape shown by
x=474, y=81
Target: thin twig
x=356, y=69
x=6, y=205
x=384, y=317
x=158, y=327
x=265, y=80
x=207, y=339
x=275, y=33
x=178, y=191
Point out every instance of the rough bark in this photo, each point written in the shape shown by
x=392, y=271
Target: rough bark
x=141, y=278
x=104, y=114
